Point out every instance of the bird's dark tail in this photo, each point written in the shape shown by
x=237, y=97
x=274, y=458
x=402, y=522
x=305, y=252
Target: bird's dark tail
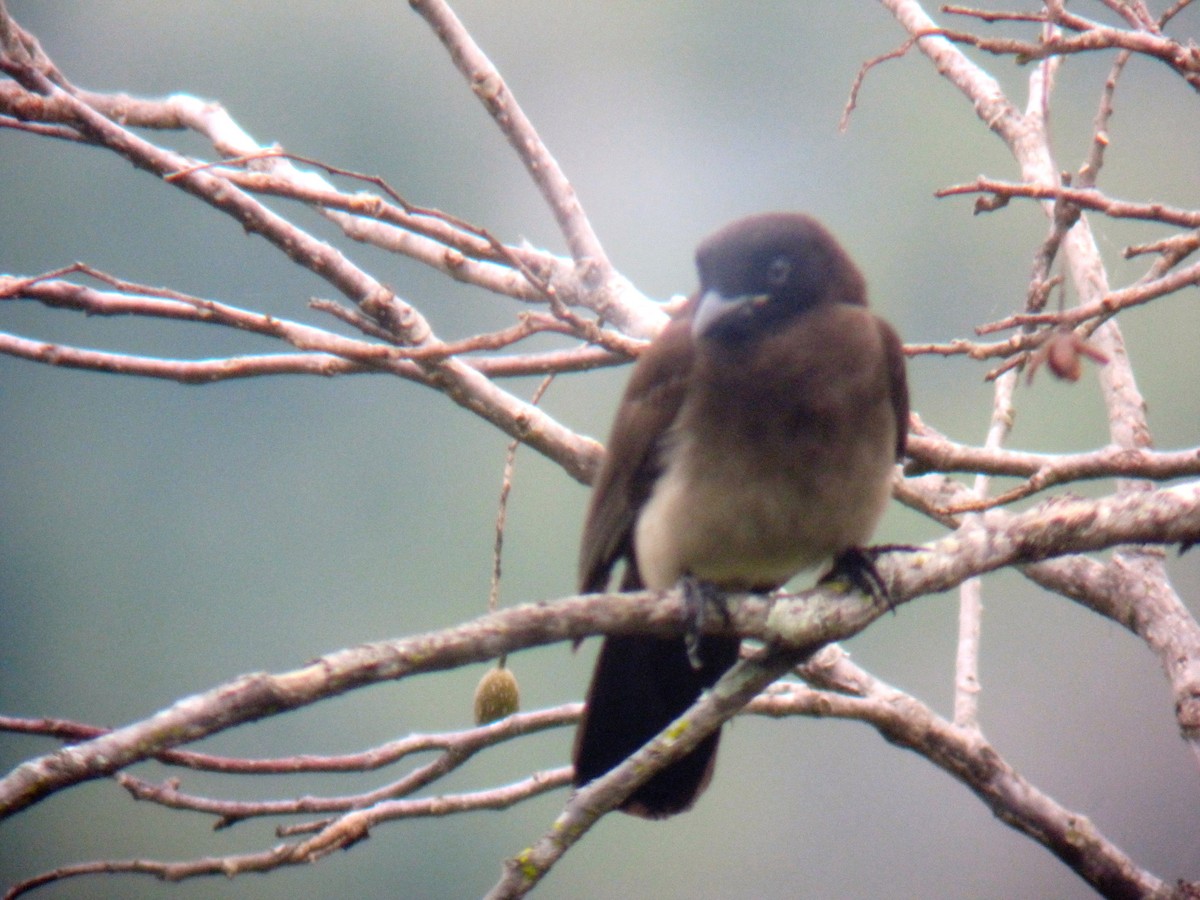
x=640, y=685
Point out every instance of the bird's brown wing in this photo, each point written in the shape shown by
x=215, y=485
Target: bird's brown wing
x=899, y=384
x=631, y=465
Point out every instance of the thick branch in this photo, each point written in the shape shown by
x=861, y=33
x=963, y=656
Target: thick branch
x=1057, y=527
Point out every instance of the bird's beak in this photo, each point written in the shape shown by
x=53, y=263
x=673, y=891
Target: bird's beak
x=714, y=307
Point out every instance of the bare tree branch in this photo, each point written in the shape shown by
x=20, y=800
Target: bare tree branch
x=337, y=834
x=964, y=753
x=1084, y=198
x=1057, y=527
x=392, y=336
x=488, y=85
x=1091, y=36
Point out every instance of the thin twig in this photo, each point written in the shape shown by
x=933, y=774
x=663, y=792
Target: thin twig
x=510, y=459
x=1085, y=198
x=336, y=834
x=861, y=76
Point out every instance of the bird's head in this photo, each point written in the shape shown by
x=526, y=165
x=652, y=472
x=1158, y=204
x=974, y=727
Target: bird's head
x=764, y=270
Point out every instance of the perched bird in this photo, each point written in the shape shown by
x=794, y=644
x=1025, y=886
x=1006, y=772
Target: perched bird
x=756, y=439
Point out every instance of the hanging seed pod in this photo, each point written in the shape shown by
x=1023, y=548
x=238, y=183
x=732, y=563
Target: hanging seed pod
x=496, y=696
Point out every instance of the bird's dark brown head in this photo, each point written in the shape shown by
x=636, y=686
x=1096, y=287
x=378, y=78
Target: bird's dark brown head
x=763, y=270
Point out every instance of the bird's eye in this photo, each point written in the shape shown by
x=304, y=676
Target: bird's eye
x=778, y=271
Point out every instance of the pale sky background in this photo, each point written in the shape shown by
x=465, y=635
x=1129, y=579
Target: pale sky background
x=157, y=540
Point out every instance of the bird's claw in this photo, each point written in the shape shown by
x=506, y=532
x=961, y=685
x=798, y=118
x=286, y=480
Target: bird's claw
x=697, y=596
x=856, y=567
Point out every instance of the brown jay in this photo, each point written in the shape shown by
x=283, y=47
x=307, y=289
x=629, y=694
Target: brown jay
x=756, y=439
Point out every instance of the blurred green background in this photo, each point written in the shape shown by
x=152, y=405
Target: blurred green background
x=157, y=540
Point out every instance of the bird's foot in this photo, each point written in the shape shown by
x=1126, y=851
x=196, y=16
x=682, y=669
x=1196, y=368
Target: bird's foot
x=856, y=567
x=697, y=596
